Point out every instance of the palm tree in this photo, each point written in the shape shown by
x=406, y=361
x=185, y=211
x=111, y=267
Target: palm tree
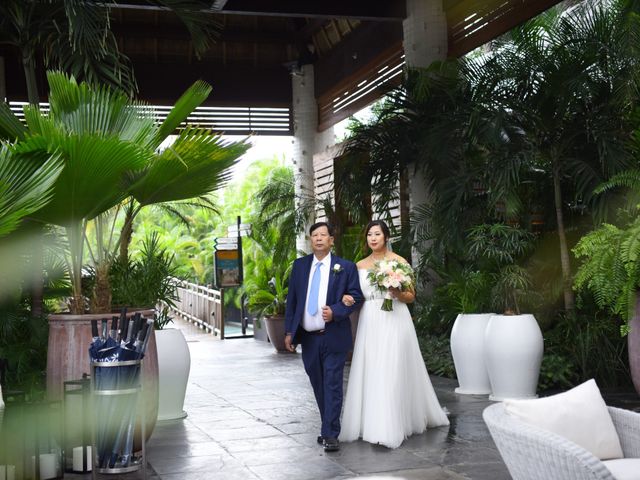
x=549, y=104
x=75, y=36
x=280, y=210
x=108, y=147
x=571, y=78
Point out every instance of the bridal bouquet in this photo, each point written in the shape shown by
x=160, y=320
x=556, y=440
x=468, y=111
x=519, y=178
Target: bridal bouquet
x=388, y=274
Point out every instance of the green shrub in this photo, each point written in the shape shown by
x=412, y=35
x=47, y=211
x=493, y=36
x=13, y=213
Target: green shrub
x=23, y=343
x=145, y=281
x=436, y=352
x=556, y=372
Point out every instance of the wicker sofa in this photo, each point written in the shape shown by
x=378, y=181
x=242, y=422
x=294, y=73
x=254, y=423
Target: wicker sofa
x=532, y=453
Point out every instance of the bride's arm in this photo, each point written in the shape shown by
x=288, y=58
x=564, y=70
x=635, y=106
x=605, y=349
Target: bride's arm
x=405, y=297
x=408, y=296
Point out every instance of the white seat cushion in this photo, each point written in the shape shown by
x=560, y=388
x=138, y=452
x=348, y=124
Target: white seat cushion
x=624, y=468
x=579, y=415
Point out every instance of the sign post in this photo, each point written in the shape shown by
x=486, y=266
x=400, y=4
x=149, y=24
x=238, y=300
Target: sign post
x=228, y=267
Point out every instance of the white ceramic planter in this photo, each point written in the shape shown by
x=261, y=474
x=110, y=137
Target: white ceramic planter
x=513, y=354
x=174, y=363
x=467, y=349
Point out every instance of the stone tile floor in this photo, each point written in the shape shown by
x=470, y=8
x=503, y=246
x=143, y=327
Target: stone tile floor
x=251, y=415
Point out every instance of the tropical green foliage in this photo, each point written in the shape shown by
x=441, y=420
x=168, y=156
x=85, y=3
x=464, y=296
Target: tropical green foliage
x=545, y=109
x=517, y=138
x=75, y=36
x=107, y=144
x=147, y=280
x=496, y=249
x=26, y=185
x=271, y=301
x=23, y=343
x=610, y=267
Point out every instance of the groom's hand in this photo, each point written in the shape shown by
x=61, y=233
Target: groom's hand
x=327, y=314
x=288, y=345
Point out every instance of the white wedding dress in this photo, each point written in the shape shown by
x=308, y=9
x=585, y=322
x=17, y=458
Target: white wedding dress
x=389, y=393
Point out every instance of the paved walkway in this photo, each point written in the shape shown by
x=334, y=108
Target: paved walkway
x=251, y=415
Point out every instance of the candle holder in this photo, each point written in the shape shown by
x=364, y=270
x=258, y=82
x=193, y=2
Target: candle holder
x=77, y=425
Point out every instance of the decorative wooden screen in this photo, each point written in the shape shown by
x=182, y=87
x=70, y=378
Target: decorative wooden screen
x=470, y=23
x=229, y=120
x=356, y=92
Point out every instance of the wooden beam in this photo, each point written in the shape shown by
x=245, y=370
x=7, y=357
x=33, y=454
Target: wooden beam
x=313, y=25
x=355, y=52
x=177, y=32
x=162, y=84
x=392, y=11
x=237, y=86
x=525, y=10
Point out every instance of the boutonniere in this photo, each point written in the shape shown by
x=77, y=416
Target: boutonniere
x=337, y=268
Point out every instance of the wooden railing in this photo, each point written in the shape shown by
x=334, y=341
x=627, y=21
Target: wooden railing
x=200, y=305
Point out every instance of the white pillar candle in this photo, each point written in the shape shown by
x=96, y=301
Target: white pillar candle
x=7, y=472
x=47, y=466
x=77, y=459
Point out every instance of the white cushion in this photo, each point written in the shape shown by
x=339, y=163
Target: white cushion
x=579, y=415
x=624, y=469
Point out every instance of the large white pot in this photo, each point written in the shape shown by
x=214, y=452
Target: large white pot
x=467, y=349
x=513, y=354
x=174, y=363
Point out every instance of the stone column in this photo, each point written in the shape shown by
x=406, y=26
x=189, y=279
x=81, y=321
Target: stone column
x=424, y=32
x=306, y=142
x=425, y=41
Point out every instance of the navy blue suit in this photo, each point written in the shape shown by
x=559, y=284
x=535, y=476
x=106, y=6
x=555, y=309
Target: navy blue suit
x=324, y=355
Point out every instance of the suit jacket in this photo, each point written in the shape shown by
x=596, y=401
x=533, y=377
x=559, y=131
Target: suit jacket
x=337, y=332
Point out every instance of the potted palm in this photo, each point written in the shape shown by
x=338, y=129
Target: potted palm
x=270, y=302
x=513, y=343
x=108, y=147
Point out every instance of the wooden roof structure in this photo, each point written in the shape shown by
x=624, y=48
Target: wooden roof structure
x=355, y=45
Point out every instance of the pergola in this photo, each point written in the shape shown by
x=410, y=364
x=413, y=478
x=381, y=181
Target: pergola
x=356, y=48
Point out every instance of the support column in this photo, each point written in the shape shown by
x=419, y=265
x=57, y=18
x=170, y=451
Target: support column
x=306, y=142
x=425, y=41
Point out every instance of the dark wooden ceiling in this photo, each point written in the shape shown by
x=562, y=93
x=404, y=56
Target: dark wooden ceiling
x=249, y=64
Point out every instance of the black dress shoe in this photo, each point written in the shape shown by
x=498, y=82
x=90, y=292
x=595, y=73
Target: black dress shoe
x=320, y=440
x=331, y=445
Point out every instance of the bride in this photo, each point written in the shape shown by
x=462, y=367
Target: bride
x=389, y=394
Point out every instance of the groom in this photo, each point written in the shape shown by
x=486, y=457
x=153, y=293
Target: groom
x=317, y=319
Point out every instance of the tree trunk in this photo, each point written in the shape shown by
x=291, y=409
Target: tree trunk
x=565, y=261
x=101, y=301
x=125, y=235
x=75, y=234
x=37, y=256
x=29, y=65
x=37, y=270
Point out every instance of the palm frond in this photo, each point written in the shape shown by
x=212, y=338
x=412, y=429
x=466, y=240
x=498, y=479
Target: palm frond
x=198, y=163
x=26, y=185
x=187, y=103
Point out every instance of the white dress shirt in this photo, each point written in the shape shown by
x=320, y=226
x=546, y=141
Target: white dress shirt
x=315, y=322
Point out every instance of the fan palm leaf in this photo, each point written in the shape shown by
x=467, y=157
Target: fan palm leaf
x=196, y=164
x=11, y=128
x=26, y=185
